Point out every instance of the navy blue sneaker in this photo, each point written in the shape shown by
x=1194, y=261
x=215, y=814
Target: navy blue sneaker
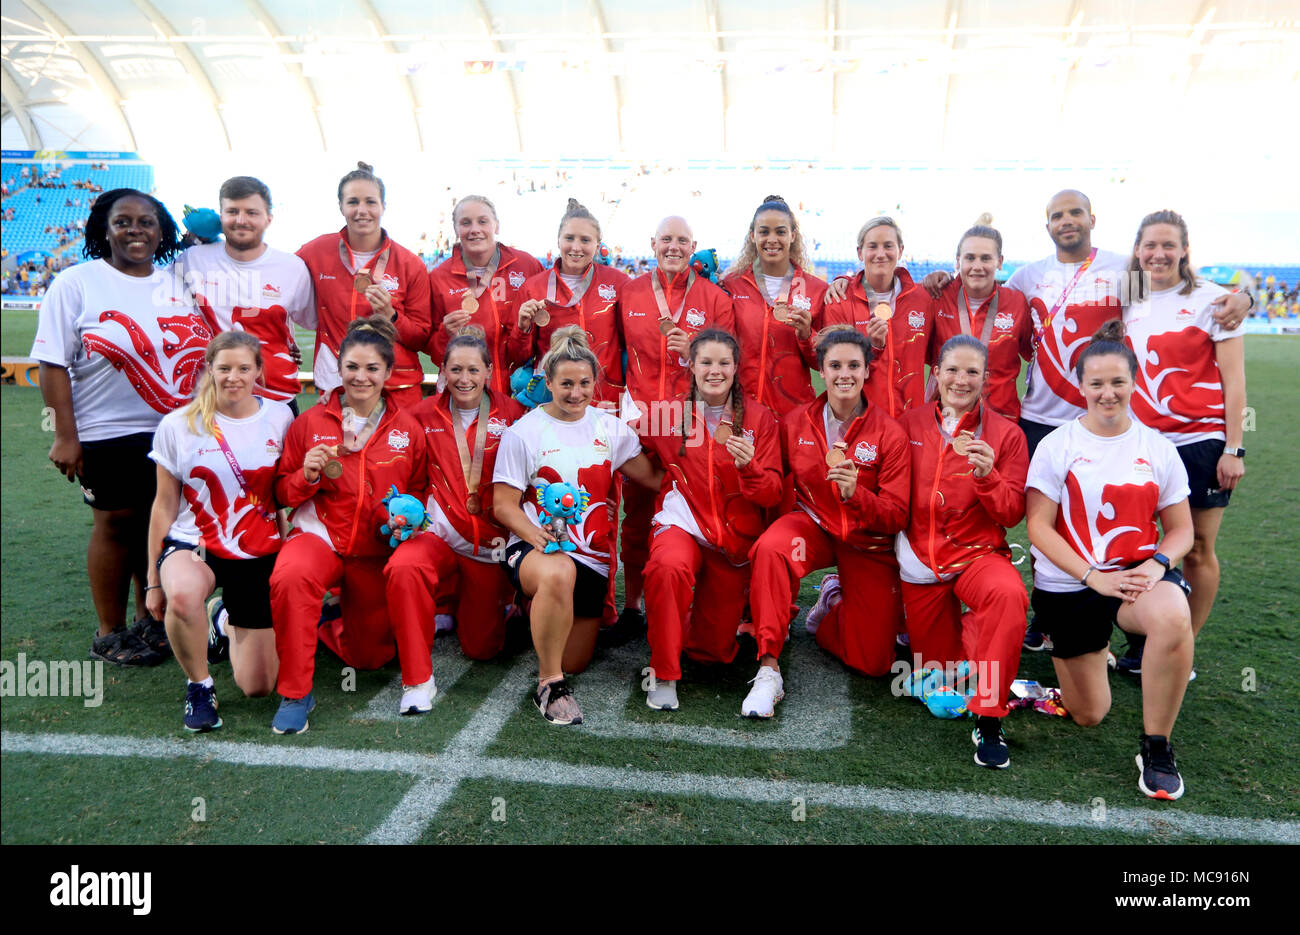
x=1158, y=776
x=201, y=708
x=990, y=743
x=1036, y=641
x=218, y=645
x=292, y=716
x=1131, y=662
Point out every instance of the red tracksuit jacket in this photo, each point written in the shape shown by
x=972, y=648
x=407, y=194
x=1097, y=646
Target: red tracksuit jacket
x=447, y=285
x=1010, y=341
x=447, y=484
x=338, y=302
x=956, y=516
x=878, y=446
x=727, y=502
x=896, y=380
x=774, y=362
x=651, y=375
x=599, y=314
x=347, y=511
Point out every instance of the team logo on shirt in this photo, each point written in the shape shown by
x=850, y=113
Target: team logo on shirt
x=865, y=452
x=330, y=439
x=749, y=434
x=496, y=426
x=1142, y=466
x=804, y=441
x=916, y=319
x=516, y=279
x=801, y=302
x=1004, y=321
x=607, y=292
x=398, y=441
x=271, y=289
x=1186, y=314
x=695, y=318
x=390, y=283
x=600, y=443
x=272, y=446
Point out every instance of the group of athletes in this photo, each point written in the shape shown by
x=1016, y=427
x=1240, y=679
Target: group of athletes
x=684, y=405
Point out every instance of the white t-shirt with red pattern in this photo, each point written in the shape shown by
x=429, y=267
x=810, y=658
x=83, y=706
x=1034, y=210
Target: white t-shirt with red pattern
x=1179, y=389
x=539, y=450
x=132, y=345
x=1109, y=492
x=214, y=510
x=1051, y=389
x=258, y=296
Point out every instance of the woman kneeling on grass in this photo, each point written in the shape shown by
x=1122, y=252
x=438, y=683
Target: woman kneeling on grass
x=724, y=469
x=221, y=450
x=564, y=441
x=1095, y=487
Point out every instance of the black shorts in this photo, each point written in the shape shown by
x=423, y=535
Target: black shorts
x=1202, y=462
x=1035, y=432
x=1079, y=622
x=589, y=588
x=118, y=474
x=245, y=583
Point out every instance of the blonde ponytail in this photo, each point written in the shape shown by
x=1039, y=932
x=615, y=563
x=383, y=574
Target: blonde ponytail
x=569, y=343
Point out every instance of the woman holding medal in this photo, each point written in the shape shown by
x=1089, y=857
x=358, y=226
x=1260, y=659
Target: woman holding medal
x=478, y=285
x=575, y=291
x=340, y=460
x=220, y=451
x=458, y=559
x=359, y=272
x=564, y=441
x=883, y=303
x=723, y=471
x=974, y=304
x=968, y=486
x=852, y=475
x=777, y=302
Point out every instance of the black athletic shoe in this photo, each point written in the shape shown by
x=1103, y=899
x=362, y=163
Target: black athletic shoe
x=1158, y=776
x=990, y=743
x=629, y=626
x=218, y=645
x=1131, y=662
x=1036, y=641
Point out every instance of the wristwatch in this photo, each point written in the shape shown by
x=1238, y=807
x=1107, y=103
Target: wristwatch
x=1235, y=452
x=1163, y=559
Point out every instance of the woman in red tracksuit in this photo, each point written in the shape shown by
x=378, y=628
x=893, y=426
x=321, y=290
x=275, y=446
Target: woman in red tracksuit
x=478, y=285
x=576, y=291
x=458, y=559
x=974, y=304
x=883, y=303
x=851, y=479
x=340, y=459
x=360, y=272
x=723, y=469
x=968, y=486
x=778, y=304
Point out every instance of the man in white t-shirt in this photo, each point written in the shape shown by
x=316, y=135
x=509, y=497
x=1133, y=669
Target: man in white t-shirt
x=244, y=284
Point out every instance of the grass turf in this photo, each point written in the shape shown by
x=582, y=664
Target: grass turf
x=1236, y=747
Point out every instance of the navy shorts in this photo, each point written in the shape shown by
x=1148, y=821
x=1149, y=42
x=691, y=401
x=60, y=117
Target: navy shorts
x=245, y=583
x=589, y=588
x=1202, y=462
x=1079, y=622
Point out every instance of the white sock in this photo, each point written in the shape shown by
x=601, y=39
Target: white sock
x=206, y=683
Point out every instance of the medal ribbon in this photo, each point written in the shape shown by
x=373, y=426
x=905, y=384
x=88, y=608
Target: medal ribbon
x=1060, y=303
x=663, y=302
x=476, y=285
x=578, y=293
x=963, y=309
x=473, y=471
x=361, y=435
x=378, y=263
x=889, y=340
x=783, y=295
x=262, y=511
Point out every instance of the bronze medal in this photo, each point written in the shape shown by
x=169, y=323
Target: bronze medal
x=666, y=325
x=542, y=317
x=883, y=311
x=333, y=469
x=722, y=433
x=468, y=303
x=781, y=312
x=836, y=454
x=474, y=504
x=961, y=442
x=362, y=281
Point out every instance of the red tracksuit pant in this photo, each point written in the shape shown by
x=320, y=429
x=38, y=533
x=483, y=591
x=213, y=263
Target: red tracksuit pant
x=990, y=636
x=693, y=600
x=362, y=637
x=425, y=573
x=860, y=630
x=634, y=540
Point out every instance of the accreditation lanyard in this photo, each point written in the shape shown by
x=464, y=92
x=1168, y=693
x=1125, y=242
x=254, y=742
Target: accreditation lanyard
x=252, y=498
x=1060, y=303
x=472, y=469
x=372, y=272
x=963, y=310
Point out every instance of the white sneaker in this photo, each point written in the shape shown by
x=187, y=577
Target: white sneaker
x=418, y=700
x=444, y=623
x=663, y=697
x=768, y=689
x=830, y=597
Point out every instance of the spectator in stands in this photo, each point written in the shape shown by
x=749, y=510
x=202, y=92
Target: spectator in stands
x=119, y=347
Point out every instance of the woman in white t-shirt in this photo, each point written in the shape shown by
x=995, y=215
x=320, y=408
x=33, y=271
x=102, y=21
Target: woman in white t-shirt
x=565, y=441
x=1191, y=387
x=1095, y=487
x=120, y=346
x=214, y=526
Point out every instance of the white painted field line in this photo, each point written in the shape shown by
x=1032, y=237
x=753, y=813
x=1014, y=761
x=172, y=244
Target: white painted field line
x=421, y=803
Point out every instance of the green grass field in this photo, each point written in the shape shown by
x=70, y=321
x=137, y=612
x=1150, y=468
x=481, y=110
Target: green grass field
x=844, y=761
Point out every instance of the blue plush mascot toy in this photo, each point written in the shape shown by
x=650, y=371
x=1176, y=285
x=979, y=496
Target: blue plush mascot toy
x=560, y=504
x=203, y=223
x=528, y=387
x=406, y=517
x=705, y=263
